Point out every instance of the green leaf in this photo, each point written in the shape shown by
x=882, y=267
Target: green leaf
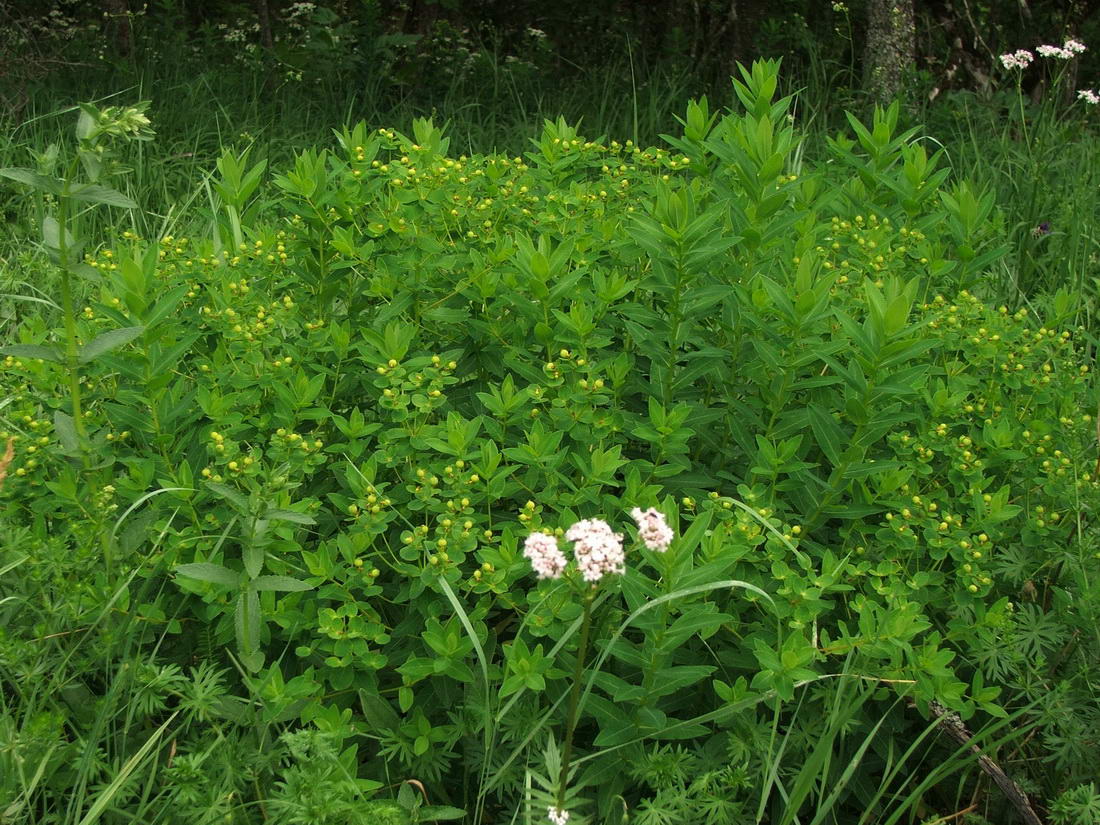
x=377, y=711
x=208, y=572
x=829, y=435
x=66, y=431
x=437, y=812
x=674, y=679
x=107, y=341
x=698, y=621
x=253, y=660
x=246, y=621
x=88, y=273
x=253, y=557
x=289, y=515
x=51, y=233
x=694, y=534
x=283, y=583
x=230, y=495
x=86, y=121
x=43, y=353
x=29, y=177
x=871, y=468
x=94, y=193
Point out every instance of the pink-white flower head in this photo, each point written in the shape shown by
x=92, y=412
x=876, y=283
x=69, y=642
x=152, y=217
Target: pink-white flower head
x=558, y=816
x=652, y=528
x=545, y=557
x=1054, y=51
x=1017, y=60
x=1075, y=46
x=1089, y=96
x=597, y=549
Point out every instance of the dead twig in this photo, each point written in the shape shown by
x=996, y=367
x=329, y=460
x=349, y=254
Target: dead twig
x=5, y=461
x=952, y=725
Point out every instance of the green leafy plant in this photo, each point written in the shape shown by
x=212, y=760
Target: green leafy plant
x=319, y=466
x=94, y=131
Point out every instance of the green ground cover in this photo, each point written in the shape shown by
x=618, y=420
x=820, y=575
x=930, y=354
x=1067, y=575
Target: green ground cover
x=283, y=419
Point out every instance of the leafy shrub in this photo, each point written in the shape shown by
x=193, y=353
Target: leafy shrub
x=343, y=411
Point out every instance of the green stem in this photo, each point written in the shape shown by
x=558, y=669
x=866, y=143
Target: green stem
x=676, y=317
x=574, y=697
x=656, y=658
x=72, y=358
x=1023, y=114
x=72, y=361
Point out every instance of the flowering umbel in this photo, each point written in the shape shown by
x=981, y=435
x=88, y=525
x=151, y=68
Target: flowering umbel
x=597, y=548
x=545, y=557
x=653, y=530
x=1017, y=60
x=558, y=816
x=1054, y=51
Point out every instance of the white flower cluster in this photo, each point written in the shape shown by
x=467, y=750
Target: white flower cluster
x=542, y=551
x=557, y=816
x=300, y=9
x=653, y=530
x=1089, y=96
x=1022, y=58
x=1017, y=60
x=1054, y=51
x=597, y=548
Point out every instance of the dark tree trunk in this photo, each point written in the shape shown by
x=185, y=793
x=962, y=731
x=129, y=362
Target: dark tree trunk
x=890, y=53
x=118, y=24
x=263, y=17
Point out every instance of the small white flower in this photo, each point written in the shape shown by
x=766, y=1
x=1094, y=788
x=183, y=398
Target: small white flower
x=1054, y=51
x=652, y=528
x=1089, y=96
x=1020, y=59
x=1075, y=46
x=597, y=549
x=558, y=816
x=545, y=557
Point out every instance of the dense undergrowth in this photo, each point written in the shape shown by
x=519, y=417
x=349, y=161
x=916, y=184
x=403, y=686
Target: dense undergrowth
x=270, y=482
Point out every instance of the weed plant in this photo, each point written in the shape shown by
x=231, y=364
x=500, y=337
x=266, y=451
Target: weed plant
x=368, y=377
x=1031, y=141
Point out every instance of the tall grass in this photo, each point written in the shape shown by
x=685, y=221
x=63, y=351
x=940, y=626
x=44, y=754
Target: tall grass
x=1038, y=159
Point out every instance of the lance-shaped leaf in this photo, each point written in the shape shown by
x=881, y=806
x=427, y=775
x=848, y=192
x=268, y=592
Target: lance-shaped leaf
x=66, y=431
x=284, y=583
x=94, y=193
x=208, y=572
x=438, y=813
x=33, y=351
x=88, y=273
x=234, y=497
x=107, y=341
x=246, y=622
x=289, y=515
x=252, y=554
x=43, y=183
